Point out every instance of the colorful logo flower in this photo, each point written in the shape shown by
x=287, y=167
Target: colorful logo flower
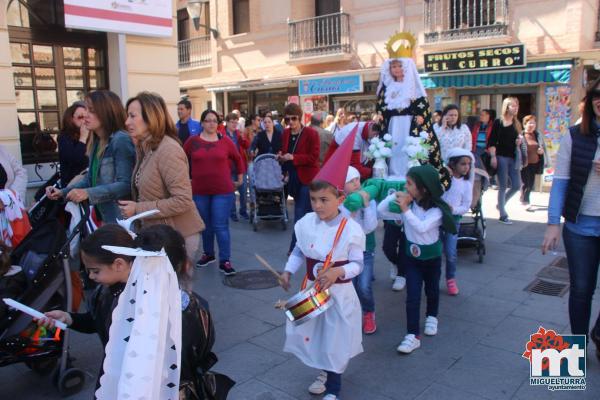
x=545, y=339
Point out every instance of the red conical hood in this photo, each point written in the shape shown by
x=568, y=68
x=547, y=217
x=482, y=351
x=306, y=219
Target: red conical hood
x=335, y=169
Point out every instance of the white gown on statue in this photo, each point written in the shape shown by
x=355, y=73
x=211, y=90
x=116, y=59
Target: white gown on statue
x=328, y=341
x=399, y=128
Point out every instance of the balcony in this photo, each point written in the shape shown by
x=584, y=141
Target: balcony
x=447, y=20
x=326, y=37
x=194, y=53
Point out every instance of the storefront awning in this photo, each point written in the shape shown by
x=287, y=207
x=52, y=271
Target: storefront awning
x=540, y=72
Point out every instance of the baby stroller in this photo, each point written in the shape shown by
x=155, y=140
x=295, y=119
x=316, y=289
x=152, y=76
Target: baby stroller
x=267, y=194
x=471, y=232
x=43, y=256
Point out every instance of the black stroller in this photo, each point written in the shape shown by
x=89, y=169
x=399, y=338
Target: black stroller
x=267, y=194
x=43, y=255
x=471, y=233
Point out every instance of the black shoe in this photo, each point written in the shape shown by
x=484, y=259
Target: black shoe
x=244, y=215
x=234, y=218
x=205, y=260
x=505, y=220
x=227, y=269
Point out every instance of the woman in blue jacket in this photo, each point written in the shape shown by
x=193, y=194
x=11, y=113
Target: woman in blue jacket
x=574, y=195
x=112, y=157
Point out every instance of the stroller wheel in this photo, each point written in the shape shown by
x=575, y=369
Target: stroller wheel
x=255, y=225
x=283, y=225
x=480, y=253
x=42, y=367
x=71, y=381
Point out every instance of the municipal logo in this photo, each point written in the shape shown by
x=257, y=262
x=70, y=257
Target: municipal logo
x=556, y=361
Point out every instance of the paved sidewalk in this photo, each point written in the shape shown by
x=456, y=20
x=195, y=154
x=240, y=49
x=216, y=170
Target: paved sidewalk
x=476, y=354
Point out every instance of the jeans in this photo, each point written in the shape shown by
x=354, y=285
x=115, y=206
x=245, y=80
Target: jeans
x=450, y=242
x=362, y=283
x=242, y=191
x=506, y=169
x=301, y=208
x=393, y=246
x=214, y=210
x=333, y=385
x=528, y=177
x=583, y=256
x=419, y=272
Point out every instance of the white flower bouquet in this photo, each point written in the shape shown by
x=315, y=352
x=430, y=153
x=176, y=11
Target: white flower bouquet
x=379, y=148
x=417, y=149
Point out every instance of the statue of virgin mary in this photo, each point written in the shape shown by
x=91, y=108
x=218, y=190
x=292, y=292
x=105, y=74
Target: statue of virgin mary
x=403, y=104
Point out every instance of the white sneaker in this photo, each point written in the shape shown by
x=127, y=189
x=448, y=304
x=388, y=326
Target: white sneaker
x=318, y=386
x=331, y=397
x=409, y=344
x=431, y=324
x=393, y=271
x=399, y=283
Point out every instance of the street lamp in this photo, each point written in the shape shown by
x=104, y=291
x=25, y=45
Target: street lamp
x=194, y=8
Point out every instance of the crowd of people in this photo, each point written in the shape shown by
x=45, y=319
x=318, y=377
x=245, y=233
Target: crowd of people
x=126, y=160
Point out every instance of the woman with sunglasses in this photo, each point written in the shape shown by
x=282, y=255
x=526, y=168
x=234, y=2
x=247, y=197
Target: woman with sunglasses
x=72, y=142
x=574, y=194
x=300, y=157
x=211, y=156
x=112, y=157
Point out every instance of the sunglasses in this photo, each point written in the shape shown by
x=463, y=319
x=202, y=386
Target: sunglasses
x=595, y=94
x=211, y=121
x=79, y=116
x=291, y=118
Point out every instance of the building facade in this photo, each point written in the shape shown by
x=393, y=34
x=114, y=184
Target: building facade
x=326, y=54
x=45, y=67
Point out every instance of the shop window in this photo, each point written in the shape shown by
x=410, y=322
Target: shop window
x=272, y=100
x=241, y=16
x=47, y=79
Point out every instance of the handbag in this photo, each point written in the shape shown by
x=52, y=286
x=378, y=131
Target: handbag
x=486, y=159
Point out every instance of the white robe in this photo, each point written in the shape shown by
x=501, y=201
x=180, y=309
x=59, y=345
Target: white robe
x=399, y=128
x=329, y=341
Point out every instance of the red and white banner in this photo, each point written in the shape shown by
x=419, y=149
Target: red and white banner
x=137, y=17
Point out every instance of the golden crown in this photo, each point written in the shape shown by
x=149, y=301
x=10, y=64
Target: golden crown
x=402, y=51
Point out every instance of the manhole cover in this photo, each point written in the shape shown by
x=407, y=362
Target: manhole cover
x=557, y=270
x=560, y=262
x=251, y=280
x=548, y=288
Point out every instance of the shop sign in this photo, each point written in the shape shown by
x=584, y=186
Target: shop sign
x=331, y=85
x=500, y=57
x=137, y=17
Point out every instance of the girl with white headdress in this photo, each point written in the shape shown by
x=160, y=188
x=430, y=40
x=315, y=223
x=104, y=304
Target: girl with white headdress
x=402, y=102
x=111, y=271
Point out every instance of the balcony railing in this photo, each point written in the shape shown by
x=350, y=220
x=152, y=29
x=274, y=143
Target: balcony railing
x=319, y=36
x=194, y=52
x=465, y=19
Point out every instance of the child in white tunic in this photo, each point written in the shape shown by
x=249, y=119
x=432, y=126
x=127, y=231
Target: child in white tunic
x=328, y=341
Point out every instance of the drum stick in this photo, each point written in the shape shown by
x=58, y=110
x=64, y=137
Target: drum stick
x=268, y=266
